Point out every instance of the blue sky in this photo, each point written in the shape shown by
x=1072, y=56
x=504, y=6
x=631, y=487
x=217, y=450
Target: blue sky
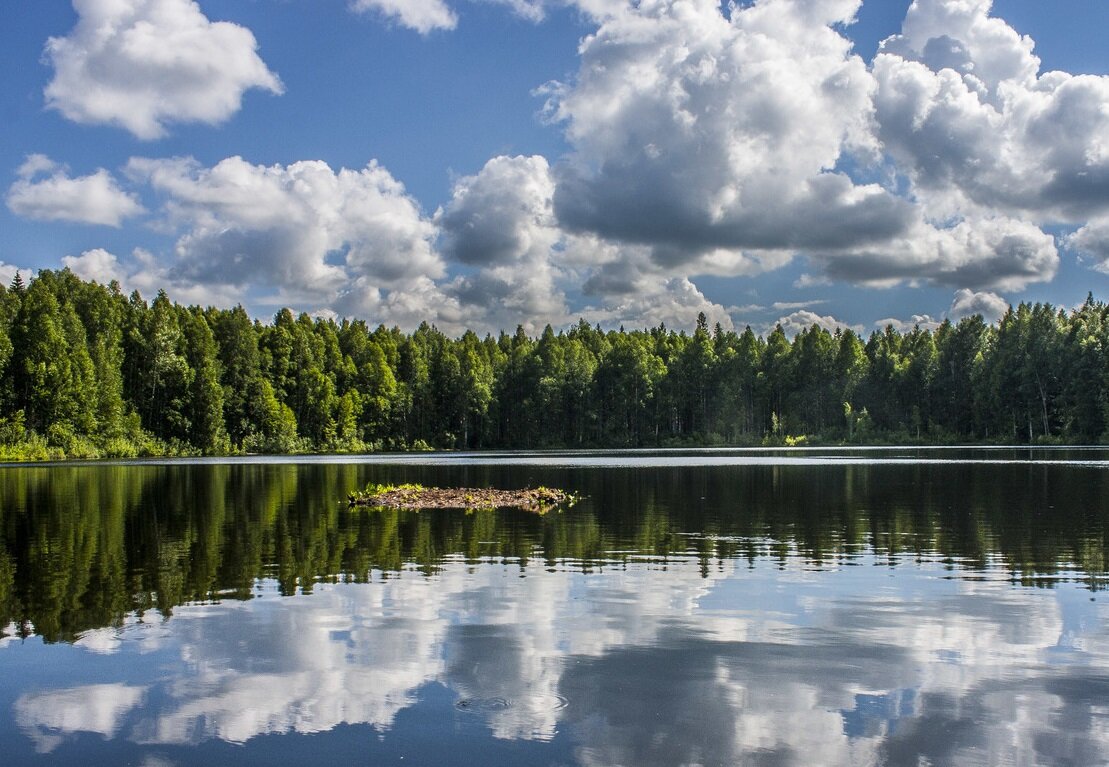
x=491, y=163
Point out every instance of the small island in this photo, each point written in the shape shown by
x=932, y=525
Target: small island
x=536, y=499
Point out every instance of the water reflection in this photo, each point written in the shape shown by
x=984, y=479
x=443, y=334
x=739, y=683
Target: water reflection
x=82, y=547
x=743, y=615
x=762, y=664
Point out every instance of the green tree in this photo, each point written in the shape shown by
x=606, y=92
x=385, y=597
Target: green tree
x=240, y=368
x=165, y=374
x=776, y=377
x=53, y=377
x=205, y=403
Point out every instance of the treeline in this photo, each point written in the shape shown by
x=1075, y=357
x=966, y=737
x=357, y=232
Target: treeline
x=86, y=370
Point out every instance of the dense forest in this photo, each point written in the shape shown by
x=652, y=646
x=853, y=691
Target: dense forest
x=88, y=371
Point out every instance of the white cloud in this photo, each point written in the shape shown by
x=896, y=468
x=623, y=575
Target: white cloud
x=144, y=272
x=1092, y=241
x=140, y=64
x=44, y=191
x=777, y=306
x=922, y=321
x=701, y=136
x=96, y=264
x=420, y=15
x=967, y=302
x=704, y=143
x=807, y=280
x=967, y=117
x=804, y=319
x=502, y=215
x=675, y=302
x=501, y=222
x=315, y=236
x=714, y=143
x=532, y=10
x=1002, y=253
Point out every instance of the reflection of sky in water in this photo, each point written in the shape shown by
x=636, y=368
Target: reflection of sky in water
x=645, y=664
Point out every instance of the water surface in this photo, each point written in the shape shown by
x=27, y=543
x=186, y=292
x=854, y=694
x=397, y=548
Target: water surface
x=698, y=607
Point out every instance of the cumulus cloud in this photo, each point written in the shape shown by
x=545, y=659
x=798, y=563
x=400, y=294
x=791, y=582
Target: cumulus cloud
x=311, y=234
x=501, y=222
x=803, y=319
x=967, y=302
x=1002, y=253
x=963, y=110
x=420, y=15
x=140, y=64
x=922, y=321
x=44, y=191
x=502, y=215
x=96, y=264
x=1092, y=241
x=711, y=143
x=704, y=143
x=146, y=273
x=675, y=302
x=695, y=133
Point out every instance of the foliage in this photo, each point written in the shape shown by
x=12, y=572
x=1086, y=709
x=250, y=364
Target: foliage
x=88, y=372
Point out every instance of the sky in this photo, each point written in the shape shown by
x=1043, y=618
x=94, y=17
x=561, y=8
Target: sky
x=483, y=164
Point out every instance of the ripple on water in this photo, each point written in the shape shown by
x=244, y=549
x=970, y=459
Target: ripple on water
x=534, y=703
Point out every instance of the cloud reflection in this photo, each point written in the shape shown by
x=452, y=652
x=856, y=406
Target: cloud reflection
x=645, y=663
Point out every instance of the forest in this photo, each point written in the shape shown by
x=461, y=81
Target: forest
x=87, y=371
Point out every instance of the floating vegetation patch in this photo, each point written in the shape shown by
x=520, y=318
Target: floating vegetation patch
x=537, y=499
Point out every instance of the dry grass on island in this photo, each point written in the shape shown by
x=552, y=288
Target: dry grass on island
x=536, y=499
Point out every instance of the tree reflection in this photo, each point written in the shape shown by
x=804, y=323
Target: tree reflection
x=84, y=546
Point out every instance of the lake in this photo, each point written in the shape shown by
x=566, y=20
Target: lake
x=712, y=607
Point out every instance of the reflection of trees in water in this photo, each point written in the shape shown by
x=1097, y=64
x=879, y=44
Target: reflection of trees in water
x=82, y=547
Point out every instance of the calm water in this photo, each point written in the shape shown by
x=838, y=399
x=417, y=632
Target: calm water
x=698, y=607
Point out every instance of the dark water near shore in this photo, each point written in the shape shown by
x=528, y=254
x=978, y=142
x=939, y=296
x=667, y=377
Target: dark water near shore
x=698, y=607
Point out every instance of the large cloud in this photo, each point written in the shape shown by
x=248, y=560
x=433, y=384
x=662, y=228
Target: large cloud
x=302, y=228
x=140, y=64
x=501, y=216
x=714, y=144
x=45, y=191
x=1001, y=253
x=501, y=222
x=703, y=143
x=968, y=118
x=696, y=133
